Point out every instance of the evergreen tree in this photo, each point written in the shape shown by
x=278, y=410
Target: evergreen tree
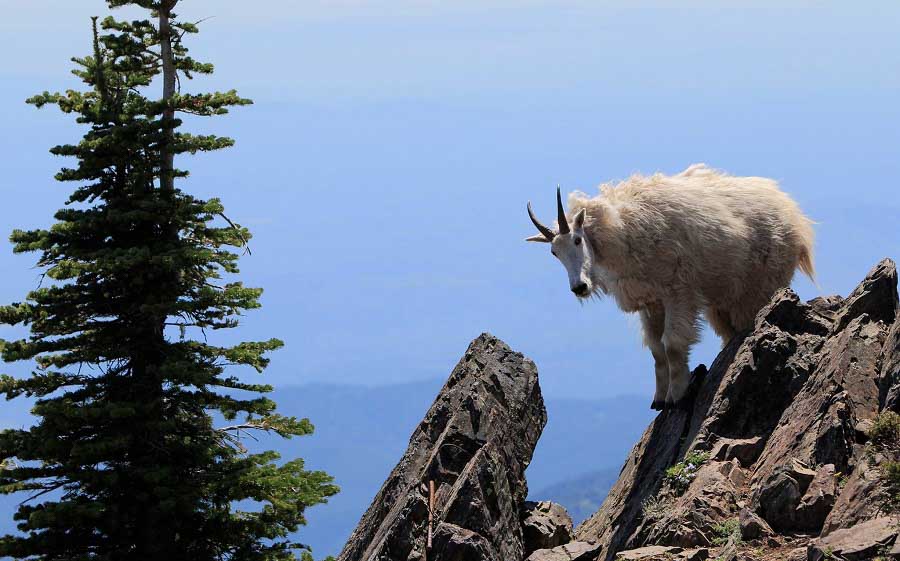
x=126, y=460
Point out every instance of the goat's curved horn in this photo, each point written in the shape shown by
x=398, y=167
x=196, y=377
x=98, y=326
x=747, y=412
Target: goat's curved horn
x=561, y=213
x=547, y=232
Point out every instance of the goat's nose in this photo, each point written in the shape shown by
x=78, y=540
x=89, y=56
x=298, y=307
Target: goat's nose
x=580, y=288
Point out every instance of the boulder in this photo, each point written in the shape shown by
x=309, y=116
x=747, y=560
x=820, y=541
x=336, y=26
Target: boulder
x=545, y=525
x=752, y=526
x=474, y=445
x=745, y=450
x=778, y=499
x=648, y=553
x=854, y=503
x=572, y=551
x=817, y=501
x=858, y=543
x=796, y=497
x=733, y=471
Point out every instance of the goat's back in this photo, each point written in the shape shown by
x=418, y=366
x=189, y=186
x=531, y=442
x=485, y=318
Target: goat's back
x=724, y=238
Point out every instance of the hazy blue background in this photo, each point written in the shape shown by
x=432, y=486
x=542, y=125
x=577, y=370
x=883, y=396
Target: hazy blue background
x=385, y=166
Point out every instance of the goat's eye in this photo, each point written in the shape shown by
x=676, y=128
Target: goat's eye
x=553, y=251
x=577, y=241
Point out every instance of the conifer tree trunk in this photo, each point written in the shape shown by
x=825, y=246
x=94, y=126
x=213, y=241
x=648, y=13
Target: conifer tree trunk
x=167, y=181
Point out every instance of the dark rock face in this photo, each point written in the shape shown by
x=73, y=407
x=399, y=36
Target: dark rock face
x=781, y=414
x=474, y=443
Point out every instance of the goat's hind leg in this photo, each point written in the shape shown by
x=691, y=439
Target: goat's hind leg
x=681, y=331
x=653, y=323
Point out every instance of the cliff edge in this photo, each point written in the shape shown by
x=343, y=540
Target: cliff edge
x=789, y=450
x=773, y=461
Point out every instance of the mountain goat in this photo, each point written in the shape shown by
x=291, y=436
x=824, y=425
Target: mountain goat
x=669, y=247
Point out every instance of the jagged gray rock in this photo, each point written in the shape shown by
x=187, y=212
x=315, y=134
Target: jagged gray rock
x=782, y=413
x=663, y=553
x=861, y=542
x=648, y=552
x=818, y=500
x=475, y=442
x=572, y=551
x=545, y=525
x=781, y=416
x=855, y=501
x=745, y=450
x=752, y=526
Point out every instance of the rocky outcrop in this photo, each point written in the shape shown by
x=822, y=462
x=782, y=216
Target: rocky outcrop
x=545, y=525
x=778, y=427
x=663, y=553
x=861, y=542
x=474, y=443
x=770, y=460
x=572, y=551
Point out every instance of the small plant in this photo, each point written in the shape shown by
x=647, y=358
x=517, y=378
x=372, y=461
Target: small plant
x=655, y=508
x=883, y=554
x=730, y=530
x=680, y=476
x=885, y=432
x=884, y=437
x=841, y=479
x=890, y=479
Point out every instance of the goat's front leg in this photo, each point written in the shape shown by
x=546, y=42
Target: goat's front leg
x=653, y=319
x=681, y=331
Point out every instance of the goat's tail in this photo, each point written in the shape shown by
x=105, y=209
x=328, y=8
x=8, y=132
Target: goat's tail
x=805, y=239
x=806, y=263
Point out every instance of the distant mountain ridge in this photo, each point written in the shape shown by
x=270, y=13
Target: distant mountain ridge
x=582, y=495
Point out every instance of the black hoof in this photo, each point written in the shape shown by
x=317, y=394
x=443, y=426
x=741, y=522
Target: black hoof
x=657, y=405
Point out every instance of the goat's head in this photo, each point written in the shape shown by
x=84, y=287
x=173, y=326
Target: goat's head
x=570, y=246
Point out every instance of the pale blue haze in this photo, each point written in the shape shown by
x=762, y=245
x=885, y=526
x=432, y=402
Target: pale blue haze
x=385, y=166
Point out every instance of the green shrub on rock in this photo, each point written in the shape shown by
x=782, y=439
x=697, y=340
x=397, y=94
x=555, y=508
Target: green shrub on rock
x=679, y=476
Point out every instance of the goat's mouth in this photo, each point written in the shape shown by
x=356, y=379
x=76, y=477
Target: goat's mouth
x=582, y=292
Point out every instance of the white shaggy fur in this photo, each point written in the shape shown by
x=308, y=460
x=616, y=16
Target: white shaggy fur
x=669, y=247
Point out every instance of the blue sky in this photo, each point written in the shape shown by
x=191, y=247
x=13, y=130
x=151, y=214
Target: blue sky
x=386, y=163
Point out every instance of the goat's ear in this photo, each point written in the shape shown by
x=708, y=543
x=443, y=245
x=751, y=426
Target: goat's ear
x=537, y=238
x=578, y=221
